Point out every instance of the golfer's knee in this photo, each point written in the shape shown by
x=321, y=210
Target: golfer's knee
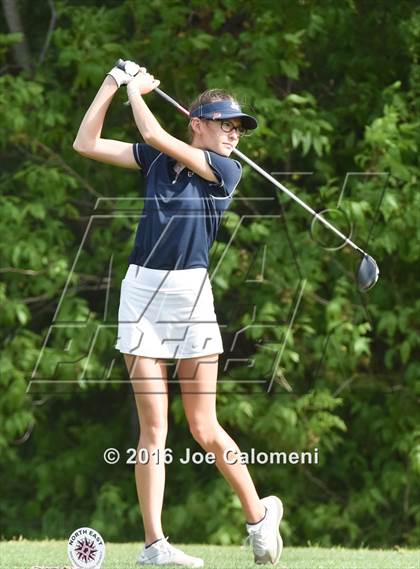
x=206, y=434
x=153, y=434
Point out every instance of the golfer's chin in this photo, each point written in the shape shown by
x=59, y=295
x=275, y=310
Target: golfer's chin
x=225, y=149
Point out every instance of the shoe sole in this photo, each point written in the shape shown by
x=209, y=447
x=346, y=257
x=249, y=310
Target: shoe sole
x=196, y=566
x=267, y=558
x=151, y=564
x=169, y=565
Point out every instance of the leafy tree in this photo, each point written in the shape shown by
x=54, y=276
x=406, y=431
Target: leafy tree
x=335, y=88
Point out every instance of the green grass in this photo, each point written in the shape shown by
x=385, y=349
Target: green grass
x=26, y=554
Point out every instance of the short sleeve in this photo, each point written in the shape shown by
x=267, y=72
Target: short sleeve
x=227, y=171
x=145, y=156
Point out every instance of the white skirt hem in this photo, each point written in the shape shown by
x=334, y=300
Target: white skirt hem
x=167, y=314
x=127, y=351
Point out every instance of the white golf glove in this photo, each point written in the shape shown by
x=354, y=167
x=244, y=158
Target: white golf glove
x=123, y=77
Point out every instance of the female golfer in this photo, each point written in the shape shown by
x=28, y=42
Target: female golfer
x=166, y=306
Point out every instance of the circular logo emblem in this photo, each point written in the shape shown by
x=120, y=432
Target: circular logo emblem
x=86, y=549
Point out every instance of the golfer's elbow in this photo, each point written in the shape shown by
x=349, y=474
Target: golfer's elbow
x=79, y=147
x=76, y=146
x=156, y=138
x=150, y=137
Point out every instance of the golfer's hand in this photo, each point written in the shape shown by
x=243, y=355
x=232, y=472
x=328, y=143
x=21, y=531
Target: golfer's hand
x=142, y=83
x=122, y=77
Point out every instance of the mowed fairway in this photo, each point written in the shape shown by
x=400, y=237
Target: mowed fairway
x=26, y=554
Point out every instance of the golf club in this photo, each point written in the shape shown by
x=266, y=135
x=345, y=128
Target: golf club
x=368, y=271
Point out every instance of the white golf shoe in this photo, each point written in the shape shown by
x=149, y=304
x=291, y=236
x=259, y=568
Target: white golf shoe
x=265, y=537
x=163, y=553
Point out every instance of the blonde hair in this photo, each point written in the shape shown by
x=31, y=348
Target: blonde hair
x=208, y=96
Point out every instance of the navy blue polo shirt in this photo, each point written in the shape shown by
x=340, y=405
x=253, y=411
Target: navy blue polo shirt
x=181, y=214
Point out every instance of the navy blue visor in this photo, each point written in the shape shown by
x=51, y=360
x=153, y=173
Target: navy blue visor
x=219, y=110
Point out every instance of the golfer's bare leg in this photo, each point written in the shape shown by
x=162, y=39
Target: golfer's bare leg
x=198, y=379
x=149, y=381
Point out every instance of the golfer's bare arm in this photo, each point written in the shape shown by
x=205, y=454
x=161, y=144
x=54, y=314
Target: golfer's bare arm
x=154, y=135
x=88, y=141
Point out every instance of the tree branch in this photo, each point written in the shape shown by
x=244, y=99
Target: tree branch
x=68, y=168
x=14, y=23
x=22, y=271
x=51, y=27
x=58, y=159
x=42, y=297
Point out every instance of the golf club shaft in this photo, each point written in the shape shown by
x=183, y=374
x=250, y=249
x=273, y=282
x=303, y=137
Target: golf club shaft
x=266, y=175
x=296, y=199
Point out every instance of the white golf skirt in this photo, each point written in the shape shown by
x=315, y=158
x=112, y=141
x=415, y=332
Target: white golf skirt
x=167, y=314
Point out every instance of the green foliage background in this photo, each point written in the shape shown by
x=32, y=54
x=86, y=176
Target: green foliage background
x=336, y=90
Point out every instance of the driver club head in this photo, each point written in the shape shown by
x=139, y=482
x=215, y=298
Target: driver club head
x=367, y=274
